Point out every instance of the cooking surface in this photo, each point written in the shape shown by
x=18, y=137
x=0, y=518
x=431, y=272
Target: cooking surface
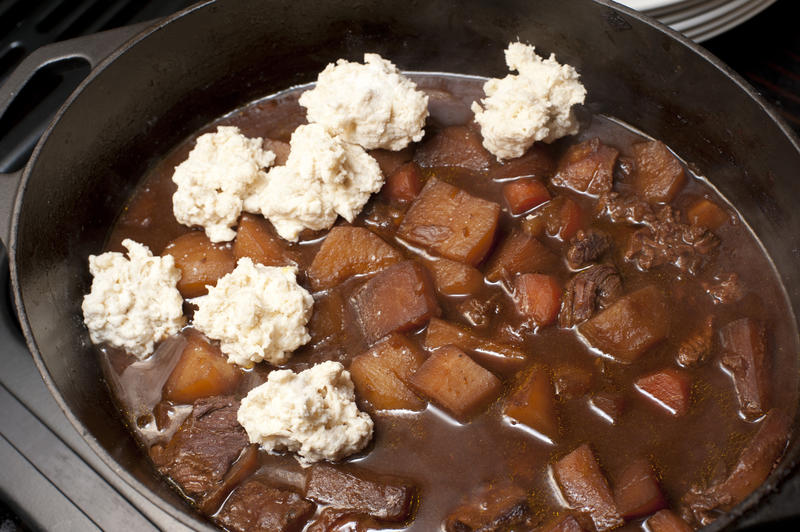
x=50, y=476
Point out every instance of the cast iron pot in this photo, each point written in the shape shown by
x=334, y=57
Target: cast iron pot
x=174, y=76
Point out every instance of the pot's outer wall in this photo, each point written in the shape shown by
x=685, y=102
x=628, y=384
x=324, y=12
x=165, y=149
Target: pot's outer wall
x=219, y=56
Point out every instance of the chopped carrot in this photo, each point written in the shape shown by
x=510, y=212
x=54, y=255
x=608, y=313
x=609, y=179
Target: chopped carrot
x=404, y=184
x=637, y=492
x=669, y=388
x=525, y=194
x=538, y=297
x=563, y=218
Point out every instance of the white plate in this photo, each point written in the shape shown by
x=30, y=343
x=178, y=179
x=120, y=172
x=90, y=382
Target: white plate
x=649, y=5
x=716, y=27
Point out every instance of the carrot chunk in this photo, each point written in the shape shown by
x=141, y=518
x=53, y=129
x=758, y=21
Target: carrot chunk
x=454, y=278
x=563, y=218
x=257, y=239
x=456, y=383
x=587, y=167
x=449, y=222
x=382, y=373
x=348, y=251
x=638, y=492
x=610, y=405
x=525, y=194
x=538, y=297
x=404, y=184
x=630, y=326
x=706, y=213
x=519, y=253
x=399, y=298
x=670, y=388
x=202, y=371
x=493, y=355
x=745, y=346
x=533, y=403
x=658, y=175
x=667, y=521
x=200, y=261
x=586, y=489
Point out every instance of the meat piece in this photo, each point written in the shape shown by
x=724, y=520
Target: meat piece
x=478, y=312
x=589, y=290
x=454, y=278
x=257, y=239
x=670, y=388
x=610, y=405
x=348, y=251
x=586, y=247
x=203, y=449
x=399, y=298
x=533, y=403
x=453, y=146
x=200, y=261
x=563, y=523
x=535, y=163
x=242, y=468
x=751, y=469
x=495, y=507
x=519, y=253
x=725, y=288
x=571, y=381
x=537, y=298
x=524, y=194
x=658, y=175
x=631, y=326
x=744, y=343
x=336, y=520
x=667, y=521
x=456, y=383
x=696, y=348
x=706, y=213
x=493, y=355
x=257, y=506
x=358, y=491
x=449, y=222
x=381, y=374
x=585, y=488
x=637, y=491
x=587, y=167
x=404, y=183
x=202, y=371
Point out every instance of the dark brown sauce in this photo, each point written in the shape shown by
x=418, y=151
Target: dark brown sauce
x=443, y=457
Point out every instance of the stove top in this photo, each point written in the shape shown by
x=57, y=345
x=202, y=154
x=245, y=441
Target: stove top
x=49, y=478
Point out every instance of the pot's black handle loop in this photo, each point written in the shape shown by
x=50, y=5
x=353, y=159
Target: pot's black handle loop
x=93, y=49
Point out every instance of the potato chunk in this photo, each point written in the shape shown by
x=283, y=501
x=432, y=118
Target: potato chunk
x=493, y=355
x=449, y=222
x=659, y=175
x=587, y=167
x=631, y=326
x=454, y=146
x=667, y=521
x=586, y=489
x=670, y=388
x=382, y=373
x=533, y=403
x=202, y=371
x=399, y=298
x=454, y=278
x=200, y=261
x=348, y=251
x=519, y=253
x=404, y=183
x=257, y=239
x=638, y=492
x=456, y=383
x=708, y=214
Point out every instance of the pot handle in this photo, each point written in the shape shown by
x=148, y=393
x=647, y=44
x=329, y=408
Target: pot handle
x=91, y=48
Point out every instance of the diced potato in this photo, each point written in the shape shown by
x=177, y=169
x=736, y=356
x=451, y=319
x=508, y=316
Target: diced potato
x=667, y=521
x=537, y=298
x=610, y=405
x=571, y=381
x=399, y=298
x=708, y=214
x=659, y=175
x=519, y=253
x=382, y=497
x=257, y=239
x=585, y=488
x=562, y=523
x=453, y=146
x=449, y=222
x=200, y=261
x=493, y=355
x=745, y=357
x=454, y=278
x=630, y=326
x=404, y=184
x=380, y=375
x=535, y=163
x=202, y=371
x=328, y=316
x=670, y=388
x=587, y=167
x=348, y=251
x=638, y=492
x=494, y=506
x=456, y=383
x=524, y=194
x=533, y=403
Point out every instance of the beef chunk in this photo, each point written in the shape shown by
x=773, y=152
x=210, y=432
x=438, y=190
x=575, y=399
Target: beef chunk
x=256, y=506
x=453, y=146
x=725, y=288
x=478, y=312
x=451, y=223
x=696, y=348
x=586, y=489
x=659, y=175
x=589, y=290
x=753, y=465
x=586, y=247
x=336, y=520
x=205, y=446
x=358, y=491
x=587, y=167
x=745, y=345
x=494, y=507
x=244, y=466
x=638, y=492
